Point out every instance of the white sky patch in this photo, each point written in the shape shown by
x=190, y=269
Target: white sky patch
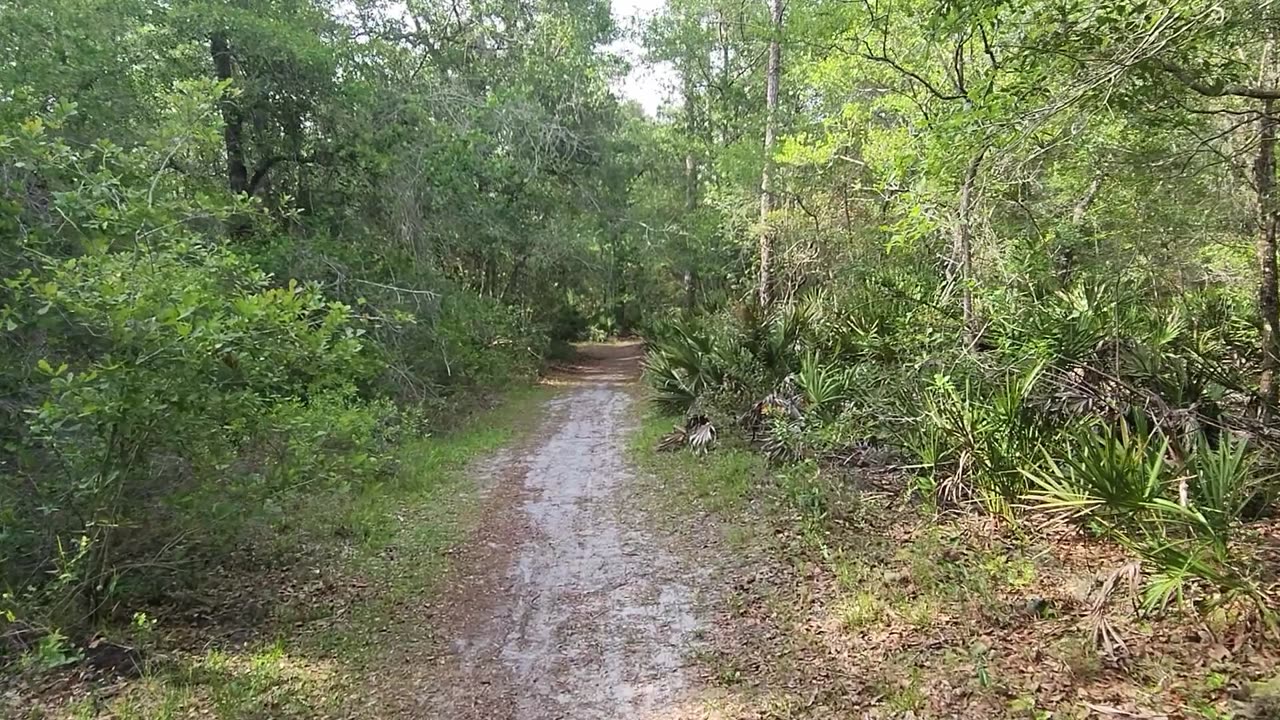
x=649, y=85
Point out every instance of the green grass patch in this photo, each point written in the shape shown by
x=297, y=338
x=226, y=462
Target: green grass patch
x=860, y=610
x=267, y=682
x=721, y=480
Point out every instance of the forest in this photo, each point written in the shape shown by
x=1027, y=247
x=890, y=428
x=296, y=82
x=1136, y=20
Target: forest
x=956, y=302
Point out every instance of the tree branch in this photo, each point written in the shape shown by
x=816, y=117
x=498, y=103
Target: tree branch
x=934, y=91
x=1218, y=89
x=264, y=167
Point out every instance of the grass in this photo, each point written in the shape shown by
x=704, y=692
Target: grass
x=261, y=683
x=360, y=556
x=905, y=695
x=722, y=481
x=406, y=526
x=860, y=610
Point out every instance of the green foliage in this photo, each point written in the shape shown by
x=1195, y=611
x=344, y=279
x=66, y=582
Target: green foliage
x=824, y=386
x=977, y=438
x=244, y=259
x=51, y=651
x=1073, y=417
x=1119, y=482
x=249, y=249
x=143, y=368
x=680, y=367
x=1110, y=478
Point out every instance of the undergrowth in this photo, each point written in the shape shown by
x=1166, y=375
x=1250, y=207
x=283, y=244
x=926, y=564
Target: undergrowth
x=341, y=572
x=1123, y=417
x=861, y=602
x=725, y=484
x=1107, y=429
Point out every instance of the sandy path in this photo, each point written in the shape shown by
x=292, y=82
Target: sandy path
x=574, y=605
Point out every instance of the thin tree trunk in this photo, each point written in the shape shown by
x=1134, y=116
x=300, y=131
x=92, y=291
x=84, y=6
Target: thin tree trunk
x=724, y=81
x=1264, y=177
x=232, y=134
x=690, y=182
x=770, y=139
x=1064, y=255
x=232, y=120
x=844, y=198
x=616, y=304
x=1268, y=302
x=964, y=243
x=690, y=205
x=517, y=273
x=1082, y=207
x=301, y=192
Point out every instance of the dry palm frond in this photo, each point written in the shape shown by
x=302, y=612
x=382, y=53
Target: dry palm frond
x=1105, y=636
x=783, y=404
x=673, y=440
x=701, y=433
x=952, y=488
x=698, y=434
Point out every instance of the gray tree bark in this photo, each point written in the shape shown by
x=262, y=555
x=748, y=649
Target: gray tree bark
x=963, y=238
x=1268, y=298
x=773, y=70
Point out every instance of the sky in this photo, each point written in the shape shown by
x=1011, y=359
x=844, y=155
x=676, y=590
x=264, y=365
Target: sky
x=649, y=86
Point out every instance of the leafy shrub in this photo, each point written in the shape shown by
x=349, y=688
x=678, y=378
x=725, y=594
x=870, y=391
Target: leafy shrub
x=825, y=386
x=979, y=438
x=683, y=365
x=150, y=360
x=153, y=367
x=482, y=343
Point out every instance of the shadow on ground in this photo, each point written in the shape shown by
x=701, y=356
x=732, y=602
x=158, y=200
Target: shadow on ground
x=612, y=363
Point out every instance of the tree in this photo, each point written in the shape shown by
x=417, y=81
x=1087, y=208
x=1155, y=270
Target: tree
x=772, y=73
x=419, y=203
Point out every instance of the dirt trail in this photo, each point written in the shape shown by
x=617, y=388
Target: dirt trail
x=572, y=604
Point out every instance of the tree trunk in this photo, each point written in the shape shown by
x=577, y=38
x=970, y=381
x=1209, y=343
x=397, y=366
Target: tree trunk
x=690, y=289
x=1082, y=207
x=770, y=138
x=690, y=205
x=844, y=198
x=232, y=120
x=1064, y=255
x=725, y=80
x=690, y=182
x=964, y=243
x=1268, y=303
